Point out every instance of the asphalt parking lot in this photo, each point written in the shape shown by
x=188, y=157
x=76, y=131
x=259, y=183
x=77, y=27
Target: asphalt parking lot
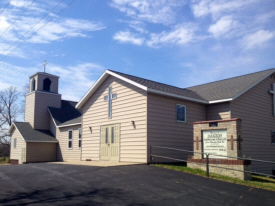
x=59, y=184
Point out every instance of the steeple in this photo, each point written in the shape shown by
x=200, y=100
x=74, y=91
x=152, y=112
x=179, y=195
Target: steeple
x=43, y=93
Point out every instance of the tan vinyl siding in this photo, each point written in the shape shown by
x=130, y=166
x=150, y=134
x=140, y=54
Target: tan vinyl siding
x=255, y=108
x=163, y=128
x=29, y=108
x=63, y=153
x=18, y=153
x=52, y=126
x=43, y=100
x=130, y=105
x=40, y=152
x=218, y=111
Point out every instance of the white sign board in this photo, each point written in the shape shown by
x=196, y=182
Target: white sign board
x=215, y=142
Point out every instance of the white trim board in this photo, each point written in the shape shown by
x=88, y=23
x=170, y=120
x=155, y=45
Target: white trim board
x=68, y=125
x=107, y=73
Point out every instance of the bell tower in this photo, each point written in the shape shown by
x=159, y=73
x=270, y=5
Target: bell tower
x=43, y=93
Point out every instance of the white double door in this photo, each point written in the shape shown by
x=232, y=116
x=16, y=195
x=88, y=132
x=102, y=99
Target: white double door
x=109, y=142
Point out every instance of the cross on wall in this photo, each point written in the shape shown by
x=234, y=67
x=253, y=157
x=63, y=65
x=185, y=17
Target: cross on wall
x=239, y=141
x=109, y=98
x=197, y=142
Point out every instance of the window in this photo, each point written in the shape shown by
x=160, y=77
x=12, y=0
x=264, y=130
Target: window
x=181, y=113
x=47, y=85
x=14, y=143
x=273, y=137
x=110, y=103
x=33, y=85
x=113, y=136
x=70, y=139
x=79, y=137
x=106, y=137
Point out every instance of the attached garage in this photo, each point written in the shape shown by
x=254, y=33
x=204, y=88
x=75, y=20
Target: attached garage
x=31, y=145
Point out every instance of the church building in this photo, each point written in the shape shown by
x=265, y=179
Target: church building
x=122, y=115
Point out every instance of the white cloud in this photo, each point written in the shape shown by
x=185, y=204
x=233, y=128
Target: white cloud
x=216, y=8
x=258, y=38
x=20, y=3
x=16, y=53
x=46, y=30
x=128, y=37
x=180, y=34
x=265, y=17
x=222, y=26
x=153, y=11
x=15, y=75
x=138, y=26
x=3, y=24
x=76, y=80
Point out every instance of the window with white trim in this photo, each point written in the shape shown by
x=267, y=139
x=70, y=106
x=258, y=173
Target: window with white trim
x=79, y=137
x=14, y=143
x=70, y=139
x=181, y=113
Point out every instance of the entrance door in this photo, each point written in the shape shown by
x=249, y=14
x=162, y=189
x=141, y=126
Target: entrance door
x=110, y=142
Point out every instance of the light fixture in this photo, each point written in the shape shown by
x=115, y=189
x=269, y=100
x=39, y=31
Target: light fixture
x=90, y=129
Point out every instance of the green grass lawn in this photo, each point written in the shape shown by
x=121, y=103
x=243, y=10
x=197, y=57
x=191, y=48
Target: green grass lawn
x=257, y=181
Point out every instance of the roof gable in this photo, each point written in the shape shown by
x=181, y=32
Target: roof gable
x=232, y=88
x=33, y=135
x=145, y=84
x=219, y=91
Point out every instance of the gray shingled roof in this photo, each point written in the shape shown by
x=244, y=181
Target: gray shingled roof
x=67, y=114
x=34, y=135
x=229, y=88
x=219, y=90
x=161, y=87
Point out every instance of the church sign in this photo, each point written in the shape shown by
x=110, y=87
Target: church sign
x=215, y=142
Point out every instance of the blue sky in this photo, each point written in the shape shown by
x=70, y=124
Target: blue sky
x=177, y=42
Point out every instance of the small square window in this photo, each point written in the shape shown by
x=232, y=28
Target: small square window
x=181, y=113
x=114, y=96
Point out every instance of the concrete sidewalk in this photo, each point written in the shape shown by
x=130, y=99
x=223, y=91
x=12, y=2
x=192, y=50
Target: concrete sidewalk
x=96, y=163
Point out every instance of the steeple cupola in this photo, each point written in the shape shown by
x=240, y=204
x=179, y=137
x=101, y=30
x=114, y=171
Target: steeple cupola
x=43, y=93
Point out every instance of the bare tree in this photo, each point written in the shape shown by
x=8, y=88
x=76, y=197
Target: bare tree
x=9, y=111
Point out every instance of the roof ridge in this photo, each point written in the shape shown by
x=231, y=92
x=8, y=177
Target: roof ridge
x=231, y=78
x=146, y=79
